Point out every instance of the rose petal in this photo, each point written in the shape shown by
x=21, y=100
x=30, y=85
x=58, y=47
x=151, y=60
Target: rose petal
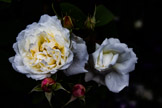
x=113, y=41
x=68, y=62
x=44, y=18
x=97, y=46
x=107, y=59
x=89, y=76
x=50, y=20
x=80, y=56
x=128, y=64
x=38, y=77
x=11, y=59
x=99, y=79
x=17, y=64
x=97, y=52
x=114, y=59
x=118, y=47
x=116, y=82
x=99, y=61
x=15, y=47
x=55, y=23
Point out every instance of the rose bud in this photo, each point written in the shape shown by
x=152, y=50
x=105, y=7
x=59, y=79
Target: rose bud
x=78, y=90
x=90, y=23
x=67, y=22
x=47, y=83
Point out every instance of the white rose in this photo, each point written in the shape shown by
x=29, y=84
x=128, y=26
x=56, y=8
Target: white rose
x=45, y=47
x=81, y=56
x=111, y=63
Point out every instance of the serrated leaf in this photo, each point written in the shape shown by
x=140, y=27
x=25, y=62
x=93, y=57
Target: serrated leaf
x=37, y=89
x=103, y=16
x=49, y=97
x=78, y=17
x=7, y=1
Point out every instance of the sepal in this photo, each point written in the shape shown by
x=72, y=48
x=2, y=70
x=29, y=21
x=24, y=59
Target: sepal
x=37, y=88
x=58, y=86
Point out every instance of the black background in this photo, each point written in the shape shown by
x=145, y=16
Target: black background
x=145, y=41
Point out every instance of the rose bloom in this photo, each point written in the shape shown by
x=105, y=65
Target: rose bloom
x=45, y=47
x=111, y=63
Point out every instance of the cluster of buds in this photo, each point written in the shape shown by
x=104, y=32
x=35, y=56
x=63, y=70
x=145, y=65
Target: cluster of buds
x=48, y=84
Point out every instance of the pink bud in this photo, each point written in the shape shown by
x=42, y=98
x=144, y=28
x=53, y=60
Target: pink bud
x=78, y=90
x=47, y=83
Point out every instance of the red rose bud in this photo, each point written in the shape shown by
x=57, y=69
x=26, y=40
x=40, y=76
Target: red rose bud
x=78, y=90
x=67, y=22
x=47, y=83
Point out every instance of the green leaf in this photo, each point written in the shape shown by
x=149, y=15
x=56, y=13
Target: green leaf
x=103, y=16
x=58, y=86
x=37, y=89
x=82, y=99
x=7, y=1
x=78, y=17
x=49, y=97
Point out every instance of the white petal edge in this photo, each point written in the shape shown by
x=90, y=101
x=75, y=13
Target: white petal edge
x=22, y=69
x=17, y=64
x=99, y=80
x=89, y=76
x=116, y=82
x=98, y=51
x=128, y=65
x=97, y=46
x=68, y=62
x=113, y=40
x=53, y=21
x=38, y=77
x=115, y=58
x=80, y=57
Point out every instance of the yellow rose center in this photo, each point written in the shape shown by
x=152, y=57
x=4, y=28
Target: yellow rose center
x=46, y=53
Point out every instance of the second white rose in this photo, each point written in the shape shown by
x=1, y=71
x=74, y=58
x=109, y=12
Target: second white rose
x=111, y=63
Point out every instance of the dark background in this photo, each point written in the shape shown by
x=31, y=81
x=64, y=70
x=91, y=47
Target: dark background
x=145, y=41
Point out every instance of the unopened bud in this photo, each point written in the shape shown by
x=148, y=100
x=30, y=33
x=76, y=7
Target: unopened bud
x=67, y=22
x=47, y=83
x=78, y=90
x=90, y=23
